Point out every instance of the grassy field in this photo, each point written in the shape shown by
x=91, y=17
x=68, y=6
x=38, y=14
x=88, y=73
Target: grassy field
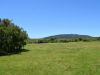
x=80, y=58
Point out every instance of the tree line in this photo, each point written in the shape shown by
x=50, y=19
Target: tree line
x=66, y=40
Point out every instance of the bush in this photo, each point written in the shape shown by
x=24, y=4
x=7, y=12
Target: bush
x=12, y=37
x=98, y=38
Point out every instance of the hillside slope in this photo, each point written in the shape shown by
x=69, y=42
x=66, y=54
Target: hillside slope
x=62, y=36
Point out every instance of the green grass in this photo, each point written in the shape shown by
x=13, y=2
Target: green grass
x=80, y=58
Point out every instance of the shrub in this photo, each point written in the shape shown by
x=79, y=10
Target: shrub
x=12, y=37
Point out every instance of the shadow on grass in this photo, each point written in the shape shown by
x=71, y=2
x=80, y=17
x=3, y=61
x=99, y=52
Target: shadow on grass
x=14, y=53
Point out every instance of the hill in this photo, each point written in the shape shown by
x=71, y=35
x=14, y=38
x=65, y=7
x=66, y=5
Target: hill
x=63, y=36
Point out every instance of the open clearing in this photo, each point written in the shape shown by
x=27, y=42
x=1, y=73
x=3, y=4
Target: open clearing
x=75, y=58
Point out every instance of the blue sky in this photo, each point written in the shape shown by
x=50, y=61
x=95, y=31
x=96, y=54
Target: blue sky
x=42, y=18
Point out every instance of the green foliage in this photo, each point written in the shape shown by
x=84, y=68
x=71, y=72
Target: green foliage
x=55, y=40
x=98, y=38
x=12, y=37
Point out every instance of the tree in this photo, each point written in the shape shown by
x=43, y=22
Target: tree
x=12, y=37
x=98, y=38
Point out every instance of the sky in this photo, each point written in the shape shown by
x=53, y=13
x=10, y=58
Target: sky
x=42, y=18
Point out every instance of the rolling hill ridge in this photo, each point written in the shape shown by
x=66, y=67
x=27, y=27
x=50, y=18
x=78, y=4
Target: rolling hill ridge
x=63, y=36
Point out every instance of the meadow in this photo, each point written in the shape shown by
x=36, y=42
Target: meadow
x=74, y=58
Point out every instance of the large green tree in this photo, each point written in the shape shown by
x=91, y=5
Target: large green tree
x=12, y=37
